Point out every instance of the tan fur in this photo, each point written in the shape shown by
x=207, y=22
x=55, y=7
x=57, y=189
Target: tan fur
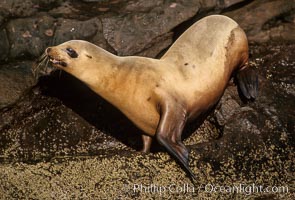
x=193, y=72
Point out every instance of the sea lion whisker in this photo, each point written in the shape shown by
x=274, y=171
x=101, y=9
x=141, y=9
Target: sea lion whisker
x=34, y=69
x=42, y=57
x=46, y=64
x=44, y=60
x=37, y=65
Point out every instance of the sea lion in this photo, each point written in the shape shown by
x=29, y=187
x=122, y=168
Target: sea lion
x=161, y=95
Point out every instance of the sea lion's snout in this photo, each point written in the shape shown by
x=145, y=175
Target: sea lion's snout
x=48, y=50
x=54, y=57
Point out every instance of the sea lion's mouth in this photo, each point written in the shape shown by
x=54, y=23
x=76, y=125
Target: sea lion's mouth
x=57, y=62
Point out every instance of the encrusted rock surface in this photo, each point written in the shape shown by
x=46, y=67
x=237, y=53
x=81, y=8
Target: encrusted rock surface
x=128, y=27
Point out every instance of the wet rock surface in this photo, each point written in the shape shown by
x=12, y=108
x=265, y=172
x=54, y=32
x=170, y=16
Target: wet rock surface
x=276, y=24
x=63, y=141
x=16, y=79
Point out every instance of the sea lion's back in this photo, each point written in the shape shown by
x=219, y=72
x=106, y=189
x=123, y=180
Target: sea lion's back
x=199, y=42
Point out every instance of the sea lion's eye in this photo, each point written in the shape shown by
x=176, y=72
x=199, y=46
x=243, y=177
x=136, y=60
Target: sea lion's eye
x=72, y=53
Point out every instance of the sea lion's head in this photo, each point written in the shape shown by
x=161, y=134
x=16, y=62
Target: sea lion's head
x=70, y=55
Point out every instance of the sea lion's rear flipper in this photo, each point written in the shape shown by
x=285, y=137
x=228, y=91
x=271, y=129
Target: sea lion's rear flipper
x=247, y=80
x=169, y=134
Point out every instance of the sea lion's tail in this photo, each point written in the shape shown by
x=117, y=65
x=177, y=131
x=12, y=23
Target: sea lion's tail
x=247, y=80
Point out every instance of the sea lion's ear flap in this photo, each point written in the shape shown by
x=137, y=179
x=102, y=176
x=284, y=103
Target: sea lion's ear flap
x=88, y=56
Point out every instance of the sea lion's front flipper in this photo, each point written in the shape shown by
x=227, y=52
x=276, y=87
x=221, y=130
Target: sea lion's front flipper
x=248, y=82
x=172, y=121
x=147, y=141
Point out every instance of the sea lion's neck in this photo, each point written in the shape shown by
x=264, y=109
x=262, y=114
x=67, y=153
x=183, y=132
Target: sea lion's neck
x=101, y=74
x=110, y=76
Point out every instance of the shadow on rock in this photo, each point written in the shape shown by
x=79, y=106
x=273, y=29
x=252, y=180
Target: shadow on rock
x=105, y=117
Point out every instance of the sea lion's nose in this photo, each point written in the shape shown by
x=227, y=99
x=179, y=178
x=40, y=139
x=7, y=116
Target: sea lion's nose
x=48, y=50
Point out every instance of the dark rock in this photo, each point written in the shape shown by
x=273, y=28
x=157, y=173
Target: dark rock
x=91, y=0
x=218, y=5
x=209, y=5
x=47, y=128
x=51, y=130
x=280, y=71
x=141, y=6
x=15, y=80
x=68, y=29
x=255, y=20
x=1, y=19
x=282, y=32
x=227, y=107
x=29, y=37
x=228, y=3
x=258, y=137
x=130, y=34
x=157, y=45
x=4, y=44
x=3, y=15
x=46, y=4
x=19, y=8
x=64, y=10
